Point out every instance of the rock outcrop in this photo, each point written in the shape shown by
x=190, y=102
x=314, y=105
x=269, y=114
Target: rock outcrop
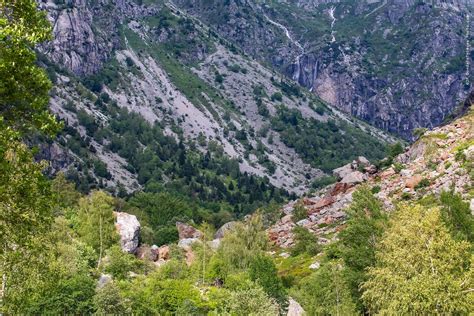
x=294, y=308
x=224, y=229
x=441, y=160
x=128, y=229
x=186, y=231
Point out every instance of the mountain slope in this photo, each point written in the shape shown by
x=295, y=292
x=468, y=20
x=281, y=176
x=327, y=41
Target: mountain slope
x=441, y=160
x=398, y=65
x=200, y=90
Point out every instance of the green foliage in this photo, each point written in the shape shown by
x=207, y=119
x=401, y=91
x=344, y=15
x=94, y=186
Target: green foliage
x=120, y=264
x=95, y=222
x=305, y=242
x=323, y=182
x=253, y=301
x=326, y=292
x=262, y=271
x=456, y=214
x=420, y=265
x=152, y=295
x=397, y=167
x=277, y=96
x=109, y=301
x=239, y=247
x=375, y=189
x=299, y=212
x=26, y=205
x=325, y=145
x=418, y=132
x=357, y=242
x=422, y=184
x=24, y=86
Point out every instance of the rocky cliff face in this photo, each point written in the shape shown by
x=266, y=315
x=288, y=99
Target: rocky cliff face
x=396, y=64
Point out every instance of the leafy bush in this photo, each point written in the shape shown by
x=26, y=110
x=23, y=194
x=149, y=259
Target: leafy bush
x=305, y=242
x=299, y=212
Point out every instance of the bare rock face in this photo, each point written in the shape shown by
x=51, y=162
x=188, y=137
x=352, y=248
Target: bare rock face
x=343, y=171
x=128, y=228
x=224, y=229
x=186, y=231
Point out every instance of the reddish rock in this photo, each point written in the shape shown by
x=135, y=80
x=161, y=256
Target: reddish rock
x=328, y=220
x=320, y=204
x=387, y=173
x=186, y=231
x=340, y=188
x=413, y=181
x=164, y=252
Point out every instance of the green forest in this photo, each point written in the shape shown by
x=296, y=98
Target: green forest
x=58, y=237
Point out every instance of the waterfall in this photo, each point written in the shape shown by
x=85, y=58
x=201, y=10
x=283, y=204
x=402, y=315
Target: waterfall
x=331, y=14
x=296, y=63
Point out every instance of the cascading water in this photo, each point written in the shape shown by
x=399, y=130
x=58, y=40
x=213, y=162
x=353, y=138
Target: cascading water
x=331, y=14
x=296, y=63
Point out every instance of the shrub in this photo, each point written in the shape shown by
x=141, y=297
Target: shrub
x=375, y=189
x=277, y=96
x=299, y=212
x=422, y=184
x=305, y=242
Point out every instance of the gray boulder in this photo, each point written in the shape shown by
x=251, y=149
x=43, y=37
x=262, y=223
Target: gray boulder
x=128, y=229
x=224, y=229
x=294, y=308
x=354, y=178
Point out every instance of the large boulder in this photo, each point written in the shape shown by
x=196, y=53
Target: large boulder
x=186, y=243
x=128, y=229
x=354, y=178
x=294, y=308
x=343, y=171
x=224, y=229
x=186, y=231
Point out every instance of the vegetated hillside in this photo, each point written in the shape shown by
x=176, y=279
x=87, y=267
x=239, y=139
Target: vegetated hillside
x=150, y=96
x=398, y=65
x=372, y=242
x=351, y=223
x=64, y=252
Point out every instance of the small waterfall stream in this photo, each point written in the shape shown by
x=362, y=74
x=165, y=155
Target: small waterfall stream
x=296, y=63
